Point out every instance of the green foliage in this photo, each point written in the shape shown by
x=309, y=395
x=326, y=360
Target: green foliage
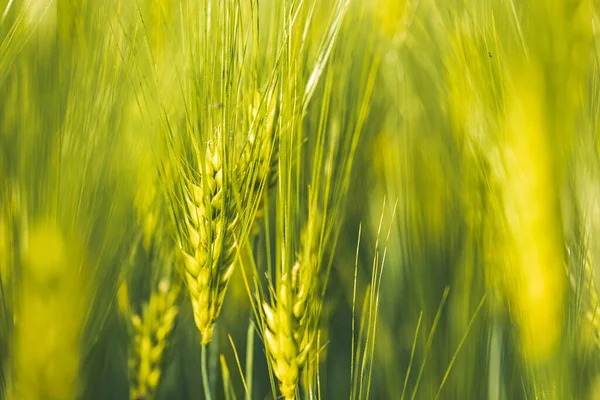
x=182, y=186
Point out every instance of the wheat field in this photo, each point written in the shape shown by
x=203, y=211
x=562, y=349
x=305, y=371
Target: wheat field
x=299, y=199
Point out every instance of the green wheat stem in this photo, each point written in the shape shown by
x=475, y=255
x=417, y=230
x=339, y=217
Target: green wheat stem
x=249, y=359
x=205, y=383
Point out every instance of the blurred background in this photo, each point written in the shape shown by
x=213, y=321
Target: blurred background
x=479, y=154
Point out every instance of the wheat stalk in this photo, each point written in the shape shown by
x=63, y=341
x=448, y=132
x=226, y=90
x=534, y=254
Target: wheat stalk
x=151, y=332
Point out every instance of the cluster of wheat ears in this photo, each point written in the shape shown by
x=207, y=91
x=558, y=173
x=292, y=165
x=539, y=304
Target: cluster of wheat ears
x=228, y=155
x=176, y=173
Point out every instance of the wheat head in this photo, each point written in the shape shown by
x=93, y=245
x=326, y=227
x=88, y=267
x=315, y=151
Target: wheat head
x=212, y=224
x=261, y=152
x=291, y=320
x=151, y=333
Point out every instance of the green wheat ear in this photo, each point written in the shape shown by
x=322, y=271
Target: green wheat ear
x=216, y=187
x=291, y=318
x=211, y=224
x=151, y=333
x=261, y=153
x=214, y=221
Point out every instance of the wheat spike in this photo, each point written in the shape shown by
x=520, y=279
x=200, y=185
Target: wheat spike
x=212, y=225
x=149, y=204
x=151, y=332
x=290, y=328
x=261, y=153
x=147, y=215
